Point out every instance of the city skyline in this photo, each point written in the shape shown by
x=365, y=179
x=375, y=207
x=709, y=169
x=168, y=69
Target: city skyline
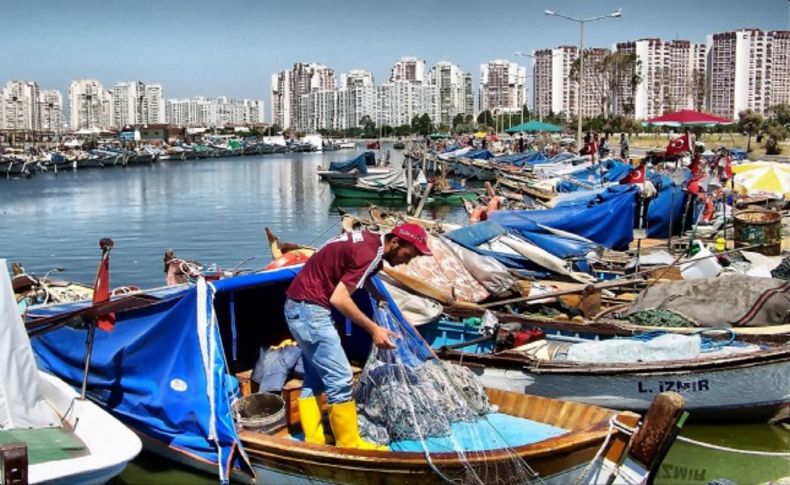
x=192, y=50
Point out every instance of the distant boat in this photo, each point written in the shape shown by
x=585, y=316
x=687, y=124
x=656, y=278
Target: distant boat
x=67, y=439
x=346, y=145
x=398, y=145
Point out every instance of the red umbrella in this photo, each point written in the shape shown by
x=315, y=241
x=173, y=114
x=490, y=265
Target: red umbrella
x=687, y=117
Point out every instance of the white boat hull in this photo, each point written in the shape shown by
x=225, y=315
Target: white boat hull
x=753, y=392
x=111, y=445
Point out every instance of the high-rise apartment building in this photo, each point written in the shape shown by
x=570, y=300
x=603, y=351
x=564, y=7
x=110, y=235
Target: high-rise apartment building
x=356, y=78
x=153, y=104
x=128, y=101
x=50, y=110
x=672, y=77
x=288, y=87
x=400, y=101
x=19, y=104
x=747, y=69
x=213, y=112
x=555, y=90
x=90, y=105
x=409, y=69
x=451, y=91
x=502, y=86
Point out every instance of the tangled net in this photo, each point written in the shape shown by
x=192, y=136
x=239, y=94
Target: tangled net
x=407, y=395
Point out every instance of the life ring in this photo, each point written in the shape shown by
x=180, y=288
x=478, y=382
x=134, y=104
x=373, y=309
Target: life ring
x=479, y=214
x=290, y=258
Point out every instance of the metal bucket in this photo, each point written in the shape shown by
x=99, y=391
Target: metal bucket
x=264, y=412
x=759, y=227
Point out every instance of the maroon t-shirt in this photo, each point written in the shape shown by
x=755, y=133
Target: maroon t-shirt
x=351, y=258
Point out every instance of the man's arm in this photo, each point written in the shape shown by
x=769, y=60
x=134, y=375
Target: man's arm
x=341, y=299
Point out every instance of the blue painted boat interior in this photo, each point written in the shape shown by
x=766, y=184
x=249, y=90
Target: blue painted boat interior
x=493, y=431
x=444, y=332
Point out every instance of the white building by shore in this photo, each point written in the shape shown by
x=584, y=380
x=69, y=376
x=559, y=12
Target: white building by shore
x=19, y=104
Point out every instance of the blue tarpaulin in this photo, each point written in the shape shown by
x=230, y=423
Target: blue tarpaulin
x=521, y=159
x=608, y=171
x=607, y=219
x=473, y=235
x=161, y=371
x=361, y=163
x=658, y=208
x=476, y=155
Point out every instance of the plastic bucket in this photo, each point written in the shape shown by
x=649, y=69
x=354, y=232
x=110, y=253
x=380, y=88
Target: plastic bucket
x=264, y=412
x=759, y=227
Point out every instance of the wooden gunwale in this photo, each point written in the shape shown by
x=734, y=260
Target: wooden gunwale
x=587, y=427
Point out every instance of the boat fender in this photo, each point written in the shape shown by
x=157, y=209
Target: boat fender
x=289, y=259
x=494, y=204
x=479, y=214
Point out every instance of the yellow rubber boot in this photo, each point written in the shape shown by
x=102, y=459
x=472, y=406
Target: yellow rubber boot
x=343, y=418
x=310, y=416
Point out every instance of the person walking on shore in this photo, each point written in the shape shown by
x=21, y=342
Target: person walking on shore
x=328, y=279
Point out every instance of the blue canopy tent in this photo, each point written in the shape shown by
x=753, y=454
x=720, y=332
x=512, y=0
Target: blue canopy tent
x=534, y=126
x=607, y=219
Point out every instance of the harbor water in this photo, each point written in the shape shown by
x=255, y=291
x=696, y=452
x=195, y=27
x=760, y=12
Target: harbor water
x=215, y=211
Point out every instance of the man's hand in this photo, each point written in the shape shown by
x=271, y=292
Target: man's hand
x=381, y=338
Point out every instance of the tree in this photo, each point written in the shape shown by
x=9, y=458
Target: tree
x=458, y=120
x=368, y=127
x=780, y=113
x=773, y=135
x=750, y=123
x=610, y=79
x=484, y=119
x=426, y=125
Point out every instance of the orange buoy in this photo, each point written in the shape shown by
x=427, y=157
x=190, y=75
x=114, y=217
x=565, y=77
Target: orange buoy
x=290, y=258
x=494, y=204
x=479, y=214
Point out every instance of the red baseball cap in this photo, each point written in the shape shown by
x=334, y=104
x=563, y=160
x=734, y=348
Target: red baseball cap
x=414, y=234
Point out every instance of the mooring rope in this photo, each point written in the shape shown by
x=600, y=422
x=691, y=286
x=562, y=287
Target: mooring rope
x=711, y=446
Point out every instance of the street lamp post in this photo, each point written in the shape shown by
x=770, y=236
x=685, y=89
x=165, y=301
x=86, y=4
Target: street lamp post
x=581, y=21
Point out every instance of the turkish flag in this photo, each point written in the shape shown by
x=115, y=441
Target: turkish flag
x=728, y=166
x=637, y=176
x=693, y=185
x=101, y=293
x=679, y=145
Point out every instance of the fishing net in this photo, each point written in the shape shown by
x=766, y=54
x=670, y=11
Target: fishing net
x=411, y=401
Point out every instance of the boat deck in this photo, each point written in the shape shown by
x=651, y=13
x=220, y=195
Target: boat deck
x=492, y=432
x=46, y=444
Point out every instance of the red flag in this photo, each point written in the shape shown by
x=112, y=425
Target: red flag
x=101, y=292
x=695, y=166
x=637, y=176
x=728, y=166
x=679, y=145
x=693, y=185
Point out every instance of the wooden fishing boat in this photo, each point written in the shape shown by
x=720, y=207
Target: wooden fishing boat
x=747, y=385
x=281, y=457
x=578, y=431
x=525, y=187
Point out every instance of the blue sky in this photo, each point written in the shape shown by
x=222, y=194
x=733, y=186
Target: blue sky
x=231, y=47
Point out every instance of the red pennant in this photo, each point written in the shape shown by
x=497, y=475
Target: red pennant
x=679, y=145
x=101, y=293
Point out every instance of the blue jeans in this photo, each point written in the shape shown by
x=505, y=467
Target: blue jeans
x=326, y=366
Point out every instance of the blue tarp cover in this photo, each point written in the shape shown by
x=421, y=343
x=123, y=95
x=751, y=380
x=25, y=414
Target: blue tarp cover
x=521, y=159
x=658, y=208
x=607, y=219
x=476, y=155
x=149, y=372
x=613, y=171
x=360, y=163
